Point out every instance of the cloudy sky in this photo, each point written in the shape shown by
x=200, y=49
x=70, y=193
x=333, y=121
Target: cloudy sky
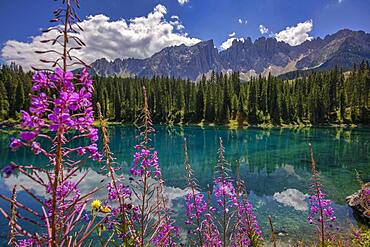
x=139, y=28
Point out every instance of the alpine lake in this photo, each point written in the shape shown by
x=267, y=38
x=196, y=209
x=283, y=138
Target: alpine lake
x=274, y=163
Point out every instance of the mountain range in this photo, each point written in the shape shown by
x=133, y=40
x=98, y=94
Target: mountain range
x=265, y=55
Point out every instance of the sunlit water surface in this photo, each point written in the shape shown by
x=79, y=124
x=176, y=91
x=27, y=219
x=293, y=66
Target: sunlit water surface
x=274, y=163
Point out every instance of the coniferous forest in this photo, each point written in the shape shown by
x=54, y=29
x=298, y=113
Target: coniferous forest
x=75, y=181
x=330, y=97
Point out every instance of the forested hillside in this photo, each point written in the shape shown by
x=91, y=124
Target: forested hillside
x=330, y=97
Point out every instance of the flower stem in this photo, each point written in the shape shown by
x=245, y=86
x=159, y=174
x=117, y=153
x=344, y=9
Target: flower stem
x=318, y=195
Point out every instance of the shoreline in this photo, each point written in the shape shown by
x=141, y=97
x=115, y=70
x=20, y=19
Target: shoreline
x=232, y=124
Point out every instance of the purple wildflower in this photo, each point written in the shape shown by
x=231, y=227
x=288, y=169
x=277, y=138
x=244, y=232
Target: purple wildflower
x=28, y=135
x=195, y=207
x=26, y=243
x=9, y=169
x=15, y=143
x=211, y=234
x=122, y=191
x=41, y=81
x=163, y=237
x=320, y=213
x=319, y=203
x=36, y=147
x=145, y=160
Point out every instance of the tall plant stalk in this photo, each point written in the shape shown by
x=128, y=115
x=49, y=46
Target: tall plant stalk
x=57, y=108
x=193, y=186
x=318, y=195
x=321, y=214
x=13, y=216
x=147, y=124
x=108, y=163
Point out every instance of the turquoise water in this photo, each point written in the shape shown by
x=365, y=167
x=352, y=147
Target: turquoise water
x=275, y=164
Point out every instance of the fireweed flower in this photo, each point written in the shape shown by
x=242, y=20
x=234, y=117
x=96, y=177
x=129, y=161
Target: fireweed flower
x=150, y=217
x=194, y=209
x=39, y=104
x=41, y=81
x=225, y=194
x=145, y=160
x=321, y=214
x=28, y=135
x=9, y=169
x=211, y=234
x=26, y=243
x=224, y=189
x=163, y=237
x=122, y=191
x=15, y=143
x=67, y=193
x=31, y=121
x=36, y=148
x=69, y=109
x=318, y=202
x=248, y=232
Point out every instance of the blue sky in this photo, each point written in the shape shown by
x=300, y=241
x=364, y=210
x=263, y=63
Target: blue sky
x=197, y=19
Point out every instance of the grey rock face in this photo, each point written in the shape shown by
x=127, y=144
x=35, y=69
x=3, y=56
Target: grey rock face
x=341, y=49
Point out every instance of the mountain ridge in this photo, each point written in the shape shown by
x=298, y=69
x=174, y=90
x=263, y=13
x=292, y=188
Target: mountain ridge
x=263, y=56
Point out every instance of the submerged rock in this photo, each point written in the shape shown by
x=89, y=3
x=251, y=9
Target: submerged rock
x=360, y=203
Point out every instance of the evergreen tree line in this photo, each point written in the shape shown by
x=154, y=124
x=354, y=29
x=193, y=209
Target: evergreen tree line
x=331, y=97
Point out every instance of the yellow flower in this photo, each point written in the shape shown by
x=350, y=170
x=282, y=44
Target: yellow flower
x=96, y=204
x=105, y=210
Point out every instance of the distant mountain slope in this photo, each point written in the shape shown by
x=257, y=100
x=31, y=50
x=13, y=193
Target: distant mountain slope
x=263, y=56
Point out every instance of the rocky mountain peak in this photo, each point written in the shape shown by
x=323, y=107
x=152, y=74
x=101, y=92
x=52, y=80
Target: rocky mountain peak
x=264, y=55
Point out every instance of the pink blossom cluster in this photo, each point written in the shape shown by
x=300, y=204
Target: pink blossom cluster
x=121, y=191
x=210, y=232
x=68, y=108
x=319, y=203
x=248, y=231
x=26, y=243
x=164, y=236
x=146, y=161
x=195, y=207
x=224, y=191
x=61, y=104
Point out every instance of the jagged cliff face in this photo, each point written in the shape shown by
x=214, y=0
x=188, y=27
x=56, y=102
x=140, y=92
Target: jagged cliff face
x=262, y=56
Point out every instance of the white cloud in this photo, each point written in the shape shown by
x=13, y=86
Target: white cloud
x=182, y=2
x=225, y=45
x=263, y=29
x=293, y=198
x=340, y=1
x=296, y=35
x=176, y=23
x=139, y=37
x=232, y=34
x=240, y=20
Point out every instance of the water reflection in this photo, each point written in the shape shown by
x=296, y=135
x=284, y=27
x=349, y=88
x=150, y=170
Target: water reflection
x=293, y=198
x=275, y=164
x=93, y=180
